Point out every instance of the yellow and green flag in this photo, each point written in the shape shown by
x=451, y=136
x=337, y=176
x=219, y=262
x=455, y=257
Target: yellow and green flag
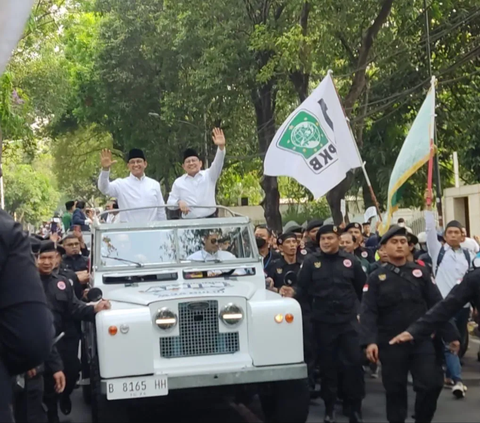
x=417, y=150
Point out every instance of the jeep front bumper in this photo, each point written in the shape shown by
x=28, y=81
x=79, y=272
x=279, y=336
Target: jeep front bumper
x=250, y=375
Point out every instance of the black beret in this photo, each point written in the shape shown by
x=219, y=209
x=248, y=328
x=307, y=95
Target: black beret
x=296, y=229
x=48, y=246
x=353, y=225
x=135, y=153
x=412, y=238
x=190, y=152
x=454, y=224
x=395, y=230
x=282, y=238
x=327, y=229
x=314, y=224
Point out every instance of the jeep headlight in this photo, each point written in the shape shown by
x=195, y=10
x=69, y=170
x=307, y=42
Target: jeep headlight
x=231, y=314
x=166, y=319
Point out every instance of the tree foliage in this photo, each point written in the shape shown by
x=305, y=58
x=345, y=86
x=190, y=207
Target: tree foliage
x=159, y=74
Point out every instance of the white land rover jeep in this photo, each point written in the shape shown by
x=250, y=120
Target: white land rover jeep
x=190, y=311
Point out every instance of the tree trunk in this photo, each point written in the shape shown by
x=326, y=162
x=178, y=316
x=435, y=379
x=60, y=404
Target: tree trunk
x=358, y=85
x=264, y=99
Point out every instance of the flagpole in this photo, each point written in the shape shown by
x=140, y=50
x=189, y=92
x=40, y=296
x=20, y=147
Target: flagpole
x=364, y=169
x=432, y=148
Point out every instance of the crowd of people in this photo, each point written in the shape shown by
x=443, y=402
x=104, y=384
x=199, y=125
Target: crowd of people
x=364, y=297
x=363, y=292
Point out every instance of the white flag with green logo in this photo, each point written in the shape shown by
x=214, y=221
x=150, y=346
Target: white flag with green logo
x=314, y=145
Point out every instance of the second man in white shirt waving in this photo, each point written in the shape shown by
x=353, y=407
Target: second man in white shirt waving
x=197, y=187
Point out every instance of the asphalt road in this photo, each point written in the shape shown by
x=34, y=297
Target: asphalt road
x=449, y=409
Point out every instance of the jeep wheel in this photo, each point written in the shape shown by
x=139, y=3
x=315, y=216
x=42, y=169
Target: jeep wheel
x=104, y=411
x=286, y=402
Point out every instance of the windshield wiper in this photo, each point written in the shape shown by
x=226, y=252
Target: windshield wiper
x=124, y=260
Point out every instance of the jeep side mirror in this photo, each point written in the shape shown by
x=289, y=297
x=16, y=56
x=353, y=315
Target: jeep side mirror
x=290, y=278
x=94, y=295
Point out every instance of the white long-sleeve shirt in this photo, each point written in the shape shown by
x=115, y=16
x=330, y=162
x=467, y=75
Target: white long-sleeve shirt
x=454, y=264
x=132, y=192
x=198, y=190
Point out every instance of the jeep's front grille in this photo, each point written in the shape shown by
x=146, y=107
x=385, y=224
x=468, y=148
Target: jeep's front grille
x=199, y=333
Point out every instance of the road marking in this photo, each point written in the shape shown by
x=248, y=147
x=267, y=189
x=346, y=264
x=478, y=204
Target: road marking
x=246, y=413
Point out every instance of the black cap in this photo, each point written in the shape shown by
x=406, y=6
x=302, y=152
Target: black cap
x=135, y=153
x=190, y=152
x=454, y=224
x=395, y=230
x=327, y=229
x=35, y=244
x=282, y=238
x=314, y=224
x=353, y=225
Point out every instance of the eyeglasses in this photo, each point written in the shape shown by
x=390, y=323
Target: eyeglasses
x=191, y=161
x=213, y=241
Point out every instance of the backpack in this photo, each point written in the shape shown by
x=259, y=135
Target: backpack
x=442, y=253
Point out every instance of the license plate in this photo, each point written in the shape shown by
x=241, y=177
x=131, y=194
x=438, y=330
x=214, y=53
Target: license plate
x=138, y=387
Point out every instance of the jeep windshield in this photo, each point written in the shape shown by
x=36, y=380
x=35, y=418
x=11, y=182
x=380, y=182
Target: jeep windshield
x=188, y=246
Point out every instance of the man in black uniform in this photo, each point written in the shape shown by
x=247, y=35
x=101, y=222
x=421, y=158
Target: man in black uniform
x=395, y=295
x=311, y=245
x=289, y=262
x=467, y=291
x=66, y=310
x=361, y=252
x=26, y=330
x=330, y=283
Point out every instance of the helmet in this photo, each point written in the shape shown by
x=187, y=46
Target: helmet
x=422, y=238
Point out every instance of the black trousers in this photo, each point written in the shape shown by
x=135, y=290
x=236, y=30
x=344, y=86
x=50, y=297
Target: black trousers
x=423, y=362
x=68, y=350
x=29, y=402
x=338, y=345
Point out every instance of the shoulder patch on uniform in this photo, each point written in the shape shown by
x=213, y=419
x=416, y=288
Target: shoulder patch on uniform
x=417, y=273
x=347, y=263
x=364, y=254
x=382, y=276
x=279, y=270
x=303, y=252
x=318, y=264
x=365, y=287
x=61, y=285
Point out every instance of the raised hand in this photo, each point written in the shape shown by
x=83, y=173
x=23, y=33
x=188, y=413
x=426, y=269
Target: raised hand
x=218, y=138
x=106, y=159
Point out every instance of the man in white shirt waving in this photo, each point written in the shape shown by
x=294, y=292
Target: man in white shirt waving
x=136, y=190
x=197, y=187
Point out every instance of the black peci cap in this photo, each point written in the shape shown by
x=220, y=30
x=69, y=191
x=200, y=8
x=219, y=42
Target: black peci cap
x=135, y=153
x=190, y=152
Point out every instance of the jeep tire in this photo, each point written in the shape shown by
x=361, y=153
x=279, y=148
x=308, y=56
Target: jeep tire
x=286, y=402
x=104, y=411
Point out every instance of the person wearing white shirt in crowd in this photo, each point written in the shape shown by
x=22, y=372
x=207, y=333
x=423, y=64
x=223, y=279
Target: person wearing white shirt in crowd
x=469, y=243
x=136, y=190
x=113, y=216
x=453, y=267
x=197, y=187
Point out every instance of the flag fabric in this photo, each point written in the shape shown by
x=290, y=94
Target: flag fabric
x=13, y=15
x=314, y=145
x=417, y=150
